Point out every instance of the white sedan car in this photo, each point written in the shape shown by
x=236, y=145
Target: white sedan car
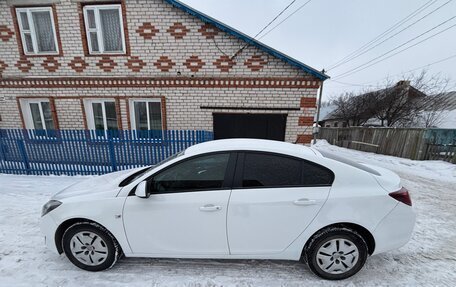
x=235, y=199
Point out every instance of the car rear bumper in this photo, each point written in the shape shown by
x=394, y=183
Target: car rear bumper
x=48, y=229
x=395, y=230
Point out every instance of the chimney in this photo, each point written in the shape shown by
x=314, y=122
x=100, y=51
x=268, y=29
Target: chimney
x=403, y=83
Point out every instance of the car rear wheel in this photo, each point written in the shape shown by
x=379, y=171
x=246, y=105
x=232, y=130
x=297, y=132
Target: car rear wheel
x=336, y=253
x=89, y=246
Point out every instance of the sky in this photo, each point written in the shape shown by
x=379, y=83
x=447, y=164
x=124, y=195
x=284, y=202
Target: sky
x=326, y=31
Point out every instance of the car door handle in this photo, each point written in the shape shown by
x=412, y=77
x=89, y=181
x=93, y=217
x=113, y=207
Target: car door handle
x=210, y=208
x=305, y=202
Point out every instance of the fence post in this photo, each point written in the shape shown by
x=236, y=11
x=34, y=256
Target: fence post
x=23, y=152
x=112, y=154
x=2, y=148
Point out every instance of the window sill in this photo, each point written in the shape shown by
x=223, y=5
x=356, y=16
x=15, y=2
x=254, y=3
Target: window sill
x=42, y=55
x=108, y=55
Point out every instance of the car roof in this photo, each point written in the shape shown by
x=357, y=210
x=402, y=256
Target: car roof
x=250, y=145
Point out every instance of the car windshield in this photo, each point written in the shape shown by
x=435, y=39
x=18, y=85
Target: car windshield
x=140, y=173
x=350, y=162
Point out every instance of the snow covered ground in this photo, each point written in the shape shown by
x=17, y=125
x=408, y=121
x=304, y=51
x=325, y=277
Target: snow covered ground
x=428, y=259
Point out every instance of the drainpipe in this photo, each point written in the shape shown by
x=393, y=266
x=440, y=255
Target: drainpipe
x=317, y=128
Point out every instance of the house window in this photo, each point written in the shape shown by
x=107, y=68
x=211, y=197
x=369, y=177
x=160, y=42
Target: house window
x=37, y=30
x=146, y=115
x=37, y=115
x=101, y=116
x=104, y=29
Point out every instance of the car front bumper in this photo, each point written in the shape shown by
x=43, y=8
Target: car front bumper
x=48, y=228
x=395, y=230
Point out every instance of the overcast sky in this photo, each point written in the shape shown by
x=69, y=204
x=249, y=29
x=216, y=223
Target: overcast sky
x=326, y=31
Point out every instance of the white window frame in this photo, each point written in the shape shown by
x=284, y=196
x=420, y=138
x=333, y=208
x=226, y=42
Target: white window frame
x=90, y=116
x=133, y=116
x=27, y=112
x=96, y=9
x=32, y=32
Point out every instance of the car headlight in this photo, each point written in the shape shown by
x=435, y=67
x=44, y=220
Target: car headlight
x=50, y=206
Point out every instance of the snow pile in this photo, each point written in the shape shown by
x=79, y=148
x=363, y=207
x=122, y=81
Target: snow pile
x=433, y=170
x=428, y=259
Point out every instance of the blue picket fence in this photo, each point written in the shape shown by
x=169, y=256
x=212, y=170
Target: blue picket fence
x=83, y=152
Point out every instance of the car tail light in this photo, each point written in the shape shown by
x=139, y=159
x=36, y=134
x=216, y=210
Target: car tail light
x=402, y=195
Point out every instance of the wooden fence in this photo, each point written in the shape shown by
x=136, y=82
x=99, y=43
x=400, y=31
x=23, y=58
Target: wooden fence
x=416, y=144
x=72, y=152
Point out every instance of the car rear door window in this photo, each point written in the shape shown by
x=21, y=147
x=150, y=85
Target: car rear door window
x=196, y=174
x=269, y=170
x=316, y=175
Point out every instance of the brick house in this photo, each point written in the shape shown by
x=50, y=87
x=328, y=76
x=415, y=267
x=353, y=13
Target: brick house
x=146, y=65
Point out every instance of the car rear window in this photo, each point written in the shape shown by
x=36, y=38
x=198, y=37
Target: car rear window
x=349, y=162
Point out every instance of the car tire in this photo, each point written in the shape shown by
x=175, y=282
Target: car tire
x=336, y=253
x=90, y=246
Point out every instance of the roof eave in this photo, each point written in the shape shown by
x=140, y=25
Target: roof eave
x=205, y=18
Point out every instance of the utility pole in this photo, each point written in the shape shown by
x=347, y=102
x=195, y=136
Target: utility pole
x=317, y=128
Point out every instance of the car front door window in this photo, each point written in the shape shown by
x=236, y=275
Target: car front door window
x=198, y=174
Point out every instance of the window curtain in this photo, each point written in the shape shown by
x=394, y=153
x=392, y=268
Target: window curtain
x=155, y=116
x=141, y=116
x=110, y=24
x=36, y=116
x=44, y=31
x=111, y=116
x=48, y=120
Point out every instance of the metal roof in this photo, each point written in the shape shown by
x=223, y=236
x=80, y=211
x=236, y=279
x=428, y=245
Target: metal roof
x=248, y=39
x=448, y=100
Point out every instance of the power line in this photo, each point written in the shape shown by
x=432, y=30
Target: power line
x=394, y=49
x=381, y=60
x=275, y=18
x=351, y=84
x=424, y=66
x=394, y=75
x=392, y=28
x=369, y=49
x=288, y=17
x=262, y=30
x=403, y=50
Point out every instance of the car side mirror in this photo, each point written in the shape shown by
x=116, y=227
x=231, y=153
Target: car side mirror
x=142, y=190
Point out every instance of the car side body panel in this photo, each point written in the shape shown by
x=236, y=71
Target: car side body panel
x=356, y=197
x=106, y=211
x=278, y=215
x=178, y=223
x=395, y=229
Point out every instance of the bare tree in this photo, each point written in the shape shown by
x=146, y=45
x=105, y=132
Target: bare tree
x=342, y=110
x=392, y=105
x=351, y=109
x=414, y=101
x=431, y=109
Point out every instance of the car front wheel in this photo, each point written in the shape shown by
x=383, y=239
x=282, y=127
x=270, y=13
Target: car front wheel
x=336, y=253
x=89, y=246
